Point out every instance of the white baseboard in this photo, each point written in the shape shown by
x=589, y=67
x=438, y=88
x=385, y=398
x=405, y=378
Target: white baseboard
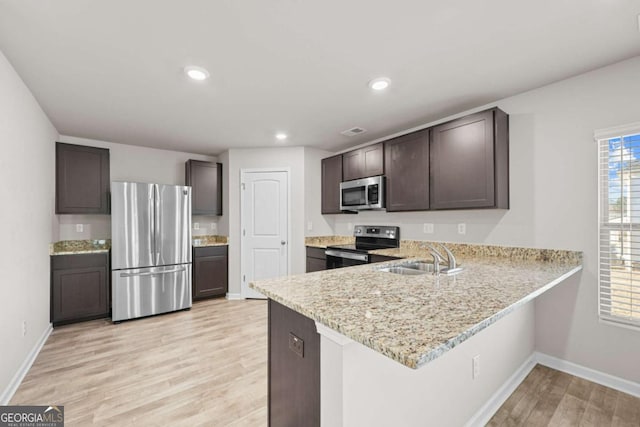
x=232, y=297
x=8, y=393
x=589, y=374
x=487, y=411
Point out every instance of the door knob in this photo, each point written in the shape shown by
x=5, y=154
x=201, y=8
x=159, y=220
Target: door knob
x=283, y=242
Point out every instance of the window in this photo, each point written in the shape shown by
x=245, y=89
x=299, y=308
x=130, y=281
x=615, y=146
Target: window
x=619, y=230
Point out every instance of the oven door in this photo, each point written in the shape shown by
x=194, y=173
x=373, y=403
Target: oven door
x=339, y=259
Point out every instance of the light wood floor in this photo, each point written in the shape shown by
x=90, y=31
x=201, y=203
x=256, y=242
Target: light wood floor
x=551, y=398
x=207, y=366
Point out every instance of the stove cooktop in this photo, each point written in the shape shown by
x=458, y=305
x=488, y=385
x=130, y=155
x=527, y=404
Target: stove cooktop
x=371, y=237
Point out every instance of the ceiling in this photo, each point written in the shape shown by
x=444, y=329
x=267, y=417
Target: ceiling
x=113, y=70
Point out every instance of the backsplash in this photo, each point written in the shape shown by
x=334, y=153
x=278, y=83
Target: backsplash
x=207, y=225
x=83, y=227
x=91, y=227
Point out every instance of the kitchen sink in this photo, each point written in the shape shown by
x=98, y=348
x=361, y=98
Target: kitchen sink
x=415, y=268
x=396, y=269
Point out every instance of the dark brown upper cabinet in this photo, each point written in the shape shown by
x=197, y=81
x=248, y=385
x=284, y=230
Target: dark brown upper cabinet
x=205, y=179
x=407, y=171
x=470, y=162
x=364, y=162
x=82, y=179
x=331, y=179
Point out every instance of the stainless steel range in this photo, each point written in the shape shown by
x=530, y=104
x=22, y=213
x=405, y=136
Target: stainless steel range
x=368, y=238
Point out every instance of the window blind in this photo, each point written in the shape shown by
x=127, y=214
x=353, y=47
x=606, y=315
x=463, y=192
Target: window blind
x=619, y=229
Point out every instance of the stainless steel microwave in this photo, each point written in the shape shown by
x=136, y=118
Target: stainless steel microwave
x=361, y=194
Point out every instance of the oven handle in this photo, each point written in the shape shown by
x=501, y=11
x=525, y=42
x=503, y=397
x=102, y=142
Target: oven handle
x=348, y=255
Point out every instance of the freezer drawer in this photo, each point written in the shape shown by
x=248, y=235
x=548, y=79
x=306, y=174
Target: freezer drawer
x=146, y=291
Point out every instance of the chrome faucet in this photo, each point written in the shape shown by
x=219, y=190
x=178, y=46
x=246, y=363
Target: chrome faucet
x=437, y=259
x=452, y=266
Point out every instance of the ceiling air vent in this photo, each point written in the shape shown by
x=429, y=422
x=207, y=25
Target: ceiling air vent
x=353, y=131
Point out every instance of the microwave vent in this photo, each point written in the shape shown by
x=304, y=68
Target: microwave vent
x=353, y=131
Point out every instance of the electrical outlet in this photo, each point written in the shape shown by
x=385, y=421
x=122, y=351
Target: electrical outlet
x=309, y=225
x=196, y=226
x=296, y=345
x=214, y=226
x=475, y=366
x=427, y=228
x=462, y=228
x=24, y=328
x=79, y=228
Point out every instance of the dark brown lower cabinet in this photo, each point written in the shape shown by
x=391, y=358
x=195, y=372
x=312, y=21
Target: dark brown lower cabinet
x=80, y=287
x=210, y=272
x=381, y=258
x=294, y=368
x=316, y=259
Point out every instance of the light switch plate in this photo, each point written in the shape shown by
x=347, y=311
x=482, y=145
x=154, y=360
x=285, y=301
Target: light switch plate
x=427, y=228
x=196, y=226
x=462, y=228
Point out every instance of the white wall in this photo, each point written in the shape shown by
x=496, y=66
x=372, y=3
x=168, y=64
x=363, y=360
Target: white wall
x=131, y=163
x=26, y=220
x=553, y=162
x=236, y=159
x=316, y=224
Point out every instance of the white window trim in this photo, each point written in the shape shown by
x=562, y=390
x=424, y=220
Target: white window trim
x=599, y=135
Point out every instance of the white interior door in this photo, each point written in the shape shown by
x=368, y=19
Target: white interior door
x=265, y=225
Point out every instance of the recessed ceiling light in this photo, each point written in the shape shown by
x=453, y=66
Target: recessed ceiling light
x=281, y=136
x=381, y=83
x=196, y=73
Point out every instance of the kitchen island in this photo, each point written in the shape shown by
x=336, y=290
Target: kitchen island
x=382, y=335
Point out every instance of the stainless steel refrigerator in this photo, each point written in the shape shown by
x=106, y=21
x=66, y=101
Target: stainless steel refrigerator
x=150, y=249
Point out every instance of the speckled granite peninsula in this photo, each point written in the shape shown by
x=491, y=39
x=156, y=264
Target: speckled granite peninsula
x=72, y=247
x=415, y=319
x=209, y=240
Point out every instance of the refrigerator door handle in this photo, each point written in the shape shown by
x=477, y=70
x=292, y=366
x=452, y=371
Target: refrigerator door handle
x=156, y=221
x=152, y=222
x=153, y=273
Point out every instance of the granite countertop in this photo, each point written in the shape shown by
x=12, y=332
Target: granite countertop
x=324, y=241
x=74, y=247
x=415, y=319
x=209, y=240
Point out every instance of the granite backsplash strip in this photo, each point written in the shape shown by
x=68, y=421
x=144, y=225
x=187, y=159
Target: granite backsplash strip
x=209, y=240
x=324, y=241
x=462, y=251
x=71, y=247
